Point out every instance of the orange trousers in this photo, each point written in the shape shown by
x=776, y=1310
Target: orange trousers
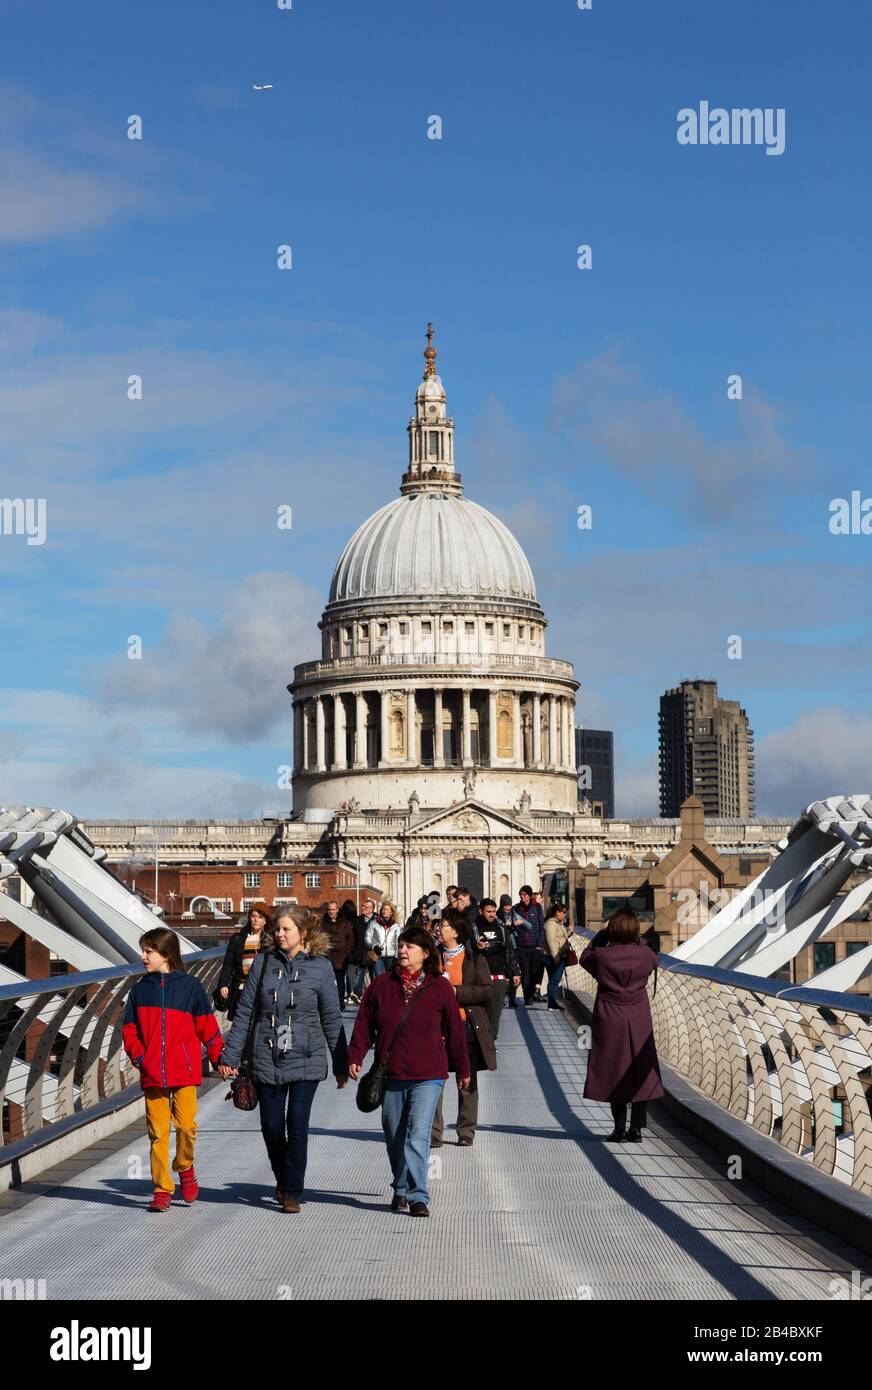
x=162, y=1105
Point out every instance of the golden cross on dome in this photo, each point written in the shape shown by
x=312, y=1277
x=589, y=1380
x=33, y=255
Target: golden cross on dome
x=430, y=353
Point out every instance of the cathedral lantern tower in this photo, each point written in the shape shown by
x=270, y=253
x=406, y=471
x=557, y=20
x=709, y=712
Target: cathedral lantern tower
x=431, y=434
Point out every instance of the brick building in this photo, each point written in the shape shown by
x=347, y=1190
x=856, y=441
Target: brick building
x=232, y=888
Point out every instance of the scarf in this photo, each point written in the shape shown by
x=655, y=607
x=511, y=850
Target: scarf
x=410, y=982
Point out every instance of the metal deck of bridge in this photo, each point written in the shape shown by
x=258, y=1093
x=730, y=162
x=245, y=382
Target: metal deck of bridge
x=538, y=1207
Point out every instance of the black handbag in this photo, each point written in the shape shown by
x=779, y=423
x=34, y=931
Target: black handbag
x=371, y=1088
x=243, y=1091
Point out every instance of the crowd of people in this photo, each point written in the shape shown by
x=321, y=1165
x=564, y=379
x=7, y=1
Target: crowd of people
x=521, y=944
x=430, y=996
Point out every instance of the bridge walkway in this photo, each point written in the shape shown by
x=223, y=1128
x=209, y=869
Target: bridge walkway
x=538, y=1207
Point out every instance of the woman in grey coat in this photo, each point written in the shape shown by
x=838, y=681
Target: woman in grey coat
x=293, y=988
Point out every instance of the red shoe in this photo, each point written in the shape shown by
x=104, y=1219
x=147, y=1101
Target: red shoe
x=160, y=1201
x=190, y=1186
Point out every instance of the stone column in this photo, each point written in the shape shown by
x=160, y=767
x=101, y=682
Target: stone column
x=319, y=734
x=553, y=747
x=492, y=727
x=570, y=705
x=307, y=752
x=340, y=759
x=411, y=727
x=537, y=729
x=467, y=728
x=519, y=747
x=561, y=732
x=298, y=736
x=384, y=725
x=360, y=730
x=438, y=759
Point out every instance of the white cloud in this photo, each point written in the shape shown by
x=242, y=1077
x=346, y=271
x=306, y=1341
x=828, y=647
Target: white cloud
x=637, y=787
x=41, y=201
x=650, y=438
x=119, y=790
x=231, y=680
x=827, y=751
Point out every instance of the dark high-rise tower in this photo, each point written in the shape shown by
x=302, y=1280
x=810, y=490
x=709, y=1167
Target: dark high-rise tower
x=706, y=750
x=594, y=749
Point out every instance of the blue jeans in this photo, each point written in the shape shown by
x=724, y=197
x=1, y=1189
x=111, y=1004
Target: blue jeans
x=555, y=975
x=382, y=964
x=407, y=1119
x=356, y=979
x=287, y=1137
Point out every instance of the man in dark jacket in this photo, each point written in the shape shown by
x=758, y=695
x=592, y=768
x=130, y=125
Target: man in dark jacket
x=531, y=942
x=510, y=920
x=468, y=905
x=357, y=965
x=494, y=942
x=341, y=937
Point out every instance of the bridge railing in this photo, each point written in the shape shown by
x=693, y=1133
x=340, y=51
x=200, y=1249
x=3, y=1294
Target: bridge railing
x=792, y=1061
x=83, y=1011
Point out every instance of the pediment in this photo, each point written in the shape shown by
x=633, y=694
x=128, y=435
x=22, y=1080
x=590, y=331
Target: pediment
x=470, y=817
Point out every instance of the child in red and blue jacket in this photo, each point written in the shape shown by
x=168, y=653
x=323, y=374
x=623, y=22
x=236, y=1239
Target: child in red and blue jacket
x=167, y=1021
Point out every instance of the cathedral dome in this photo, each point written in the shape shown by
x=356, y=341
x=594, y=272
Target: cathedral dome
x=432, y=544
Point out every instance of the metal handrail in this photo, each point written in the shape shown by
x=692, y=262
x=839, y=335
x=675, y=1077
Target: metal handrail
x=59, y=983
x=761, y=984
x=93, y=1068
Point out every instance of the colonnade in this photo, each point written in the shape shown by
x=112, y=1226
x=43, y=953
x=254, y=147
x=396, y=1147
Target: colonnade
x=434, y=726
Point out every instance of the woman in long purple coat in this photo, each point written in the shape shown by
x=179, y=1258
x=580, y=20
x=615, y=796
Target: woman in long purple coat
x=622, y=1066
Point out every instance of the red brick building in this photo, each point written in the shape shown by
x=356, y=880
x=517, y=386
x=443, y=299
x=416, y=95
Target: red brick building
x=231, y=888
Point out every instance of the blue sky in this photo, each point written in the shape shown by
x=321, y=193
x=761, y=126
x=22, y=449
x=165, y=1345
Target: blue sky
x=263, y=387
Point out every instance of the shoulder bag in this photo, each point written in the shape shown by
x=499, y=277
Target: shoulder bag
x=371, y=1088
x=243, y=1091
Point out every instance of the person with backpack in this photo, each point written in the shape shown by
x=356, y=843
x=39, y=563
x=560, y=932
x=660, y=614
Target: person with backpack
x=167, y=1022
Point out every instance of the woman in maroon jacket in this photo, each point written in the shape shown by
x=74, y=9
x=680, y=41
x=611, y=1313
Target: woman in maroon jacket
x=622, y=1065
x=432, y=1041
